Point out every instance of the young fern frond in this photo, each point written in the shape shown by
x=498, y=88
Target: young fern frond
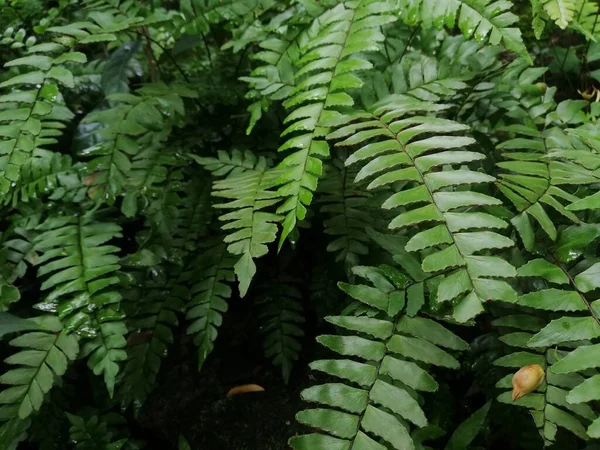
x=345, y=206
x=453, y=233
x=43, y=357
x=281, y=317
x=386, y=363
x=324, y=76
x=212, y=271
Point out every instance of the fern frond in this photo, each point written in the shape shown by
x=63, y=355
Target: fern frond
x=106, y=349
x=585, y=20
x=20, y=251
x=212, y=270
x=155, y=304
x=78, y=271
x=195, y=216
x=513, y=92
x=564, y=344
x=80, y=275
x=51, y=174
x=434, y=78
x=137, y=120
x=538, y=171
x=149, y=176
x=385, y=364
x=446, y=217
x=325, y=73
x=229, y=165
x=95, y=432
x=31, y=117
x=201, y=14
x=281, y=317
x=8, y=292
x=43, y=357
x=247, y=189
x=346, y=207
x=485, y=20
x=561, y=11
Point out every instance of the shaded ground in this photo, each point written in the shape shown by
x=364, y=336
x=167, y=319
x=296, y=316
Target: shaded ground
x=196, y=405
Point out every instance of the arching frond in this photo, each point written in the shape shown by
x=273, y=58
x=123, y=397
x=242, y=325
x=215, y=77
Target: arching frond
x=247, y=190
x=384, y=365
x=453, y=235
x=325, y=74
x=80, y=276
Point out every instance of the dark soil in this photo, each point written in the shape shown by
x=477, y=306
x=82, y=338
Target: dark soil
x=196, y=406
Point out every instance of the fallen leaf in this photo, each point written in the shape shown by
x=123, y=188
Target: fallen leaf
x=244, y=389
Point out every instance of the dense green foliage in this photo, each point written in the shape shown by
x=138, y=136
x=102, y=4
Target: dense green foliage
x=419, y=178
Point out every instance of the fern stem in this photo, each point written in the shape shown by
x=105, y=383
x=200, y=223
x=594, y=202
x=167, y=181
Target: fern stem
x=152, y=64
x=574, y=286
x=411, y=37
x=430, y=192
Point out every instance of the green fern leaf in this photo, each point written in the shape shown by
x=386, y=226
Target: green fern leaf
x=209, y=295
x=78, y=270
x=563, y=348
x=247, y=191
x=324, y=76
x=484, y=20
x=561, y=11
x=36, y=118
x=107, y=348
x=281, y=317
x=345, y=205
x=401, y=155
x=155, y=304
x=387, y=402
x=44, y=356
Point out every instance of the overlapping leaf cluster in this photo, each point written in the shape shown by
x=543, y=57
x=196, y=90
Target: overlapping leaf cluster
x=449, y=184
